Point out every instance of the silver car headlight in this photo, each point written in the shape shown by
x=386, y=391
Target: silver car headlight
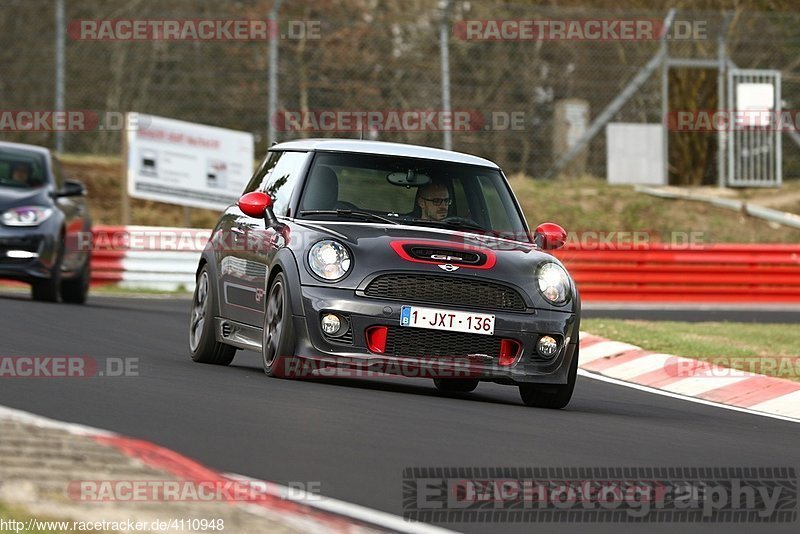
x=553, y=282
x=329, y=260
x=26, y=216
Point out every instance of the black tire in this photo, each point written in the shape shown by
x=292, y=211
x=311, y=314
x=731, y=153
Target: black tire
x=279, y=341
x=455, y=385
x=555, y=396
x=203, y=344
x=47, y=289
x=76, y=290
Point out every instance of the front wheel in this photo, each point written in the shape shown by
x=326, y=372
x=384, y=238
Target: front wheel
x=203, y=343
x=47, y=289
x=278, y=344
x=76, y=290
x=554, y=396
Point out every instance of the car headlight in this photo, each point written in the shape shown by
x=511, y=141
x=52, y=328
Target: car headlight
x=329, y=260
x=553, y=282
x=26, y=216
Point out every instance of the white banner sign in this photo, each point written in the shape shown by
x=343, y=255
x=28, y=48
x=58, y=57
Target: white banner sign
x=185, y=163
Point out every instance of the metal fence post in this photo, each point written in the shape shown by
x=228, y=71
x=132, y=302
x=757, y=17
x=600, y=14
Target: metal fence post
x=665, y=67
x=273, y=71
x=722, y=136
x=59, y=89
x=444, y=50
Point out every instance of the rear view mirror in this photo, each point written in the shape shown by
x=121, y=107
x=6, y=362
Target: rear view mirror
x=409, y=178
x=549, y=236
x=72, y=188
x=258, y=205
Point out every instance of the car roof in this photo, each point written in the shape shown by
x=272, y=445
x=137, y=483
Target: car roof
x=383, y=148
x=22, y=146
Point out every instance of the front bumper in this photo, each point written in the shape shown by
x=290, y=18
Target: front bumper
x=335, y=359
x=25, y=255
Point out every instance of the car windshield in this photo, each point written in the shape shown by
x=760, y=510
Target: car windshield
x=412, y=191
x=21, y=169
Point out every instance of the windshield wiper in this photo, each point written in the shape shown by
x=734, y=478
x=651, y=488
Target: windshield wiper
x=350, y=213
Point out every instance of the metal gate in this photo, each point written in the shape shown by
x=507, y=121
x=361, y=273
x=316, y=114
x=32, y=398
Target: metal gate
x=754, y=148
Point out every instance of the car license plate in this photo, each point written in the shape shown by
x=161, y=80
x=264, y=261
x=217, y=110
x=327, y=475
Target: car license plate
x=476, y=323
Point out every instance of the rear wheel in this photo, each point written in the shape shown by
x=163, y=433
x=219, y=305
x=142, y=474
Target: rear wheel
x=554, y=396
x=455, y=385
x=76, y=290
x=278, y=344
x=203, y=343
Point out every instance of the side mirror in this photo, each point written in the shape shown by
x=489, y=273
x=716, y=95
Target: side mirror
x=549, y=236
x=72, y=188
x=258, y=205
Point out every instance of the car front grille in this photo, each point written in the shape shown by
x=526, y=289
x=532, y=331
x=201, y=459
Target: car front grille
x=27, y=243
x=421, y=343
x=446, y=290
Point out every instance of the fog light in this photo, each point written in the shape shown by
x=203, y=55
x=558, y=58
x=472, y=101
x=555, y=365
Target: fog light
x=21, y=254
x=331, y=324
x=547, y=347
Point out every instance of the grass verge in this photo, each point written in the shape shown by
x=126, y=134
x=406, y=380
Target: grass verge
x=591, y=205
x=770, y=349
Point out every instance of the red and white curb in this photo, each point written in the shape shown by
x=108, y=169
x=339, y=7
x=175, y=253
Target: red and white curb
x=310, y=513
x=689, y=378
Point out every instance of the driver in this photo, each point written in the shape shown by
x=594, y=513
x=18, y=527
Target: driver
x=434, y=201
x=20, y=173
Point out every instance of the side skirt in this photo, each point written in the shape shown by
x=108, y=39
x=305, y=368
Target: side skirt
x=240, y=335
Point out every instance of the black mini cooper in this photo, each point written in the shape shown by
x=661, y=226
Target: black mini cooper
x=349, y=258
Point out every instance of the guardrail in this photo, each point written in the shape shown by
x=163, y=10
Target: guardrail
x=147, y=257
x=166, y=258
x=701, y=273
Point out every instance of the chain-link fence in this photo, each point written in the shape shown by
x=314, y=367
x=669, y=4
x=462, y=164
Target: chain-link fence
x=371, y=55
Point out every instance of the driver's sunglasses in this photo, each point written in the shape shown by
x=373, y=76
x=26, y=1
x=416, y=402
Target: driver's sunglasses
x=439, y=201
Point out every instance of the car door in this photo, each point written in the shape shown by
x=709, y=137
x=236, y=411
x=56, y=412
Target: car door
x=245, y=266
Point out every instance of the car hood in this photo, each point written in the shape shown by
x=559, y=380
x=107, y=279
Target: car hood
x=384, y=248
x=11, y=197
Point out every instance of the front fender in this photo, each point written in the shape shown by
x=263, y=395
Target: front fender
x=286, y=262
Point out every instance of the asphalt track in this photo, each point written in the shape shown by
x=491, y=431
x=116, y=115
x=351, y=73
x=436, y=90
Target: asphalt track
x=355, y=437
